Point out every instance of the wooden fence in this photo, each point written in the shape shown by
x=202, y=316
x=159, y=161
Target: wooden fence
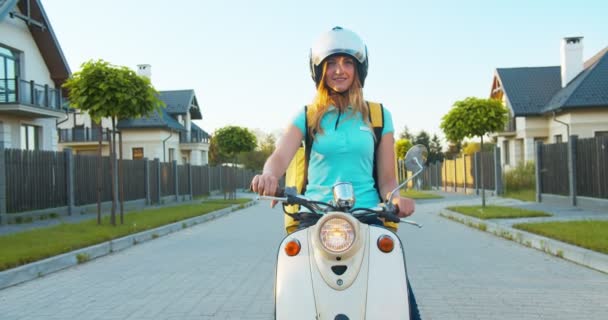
x=462, y=174
x=576, y=168
x=35, y=180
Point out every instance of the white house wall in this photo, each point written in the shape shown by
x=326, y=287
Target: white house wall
x=16, y=35
x=152, y=142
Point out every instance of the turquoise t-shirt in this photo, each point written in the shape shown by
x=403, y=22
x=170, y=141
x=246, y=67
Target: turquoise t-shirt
x=343, y=153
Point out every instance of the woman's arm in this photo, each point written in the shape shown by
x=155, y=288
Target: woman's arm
x=387, y=179
x=276, y=165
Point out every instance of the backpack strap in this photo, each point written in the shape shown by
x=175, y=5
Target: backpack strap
x=376, y=118
x=308, y=112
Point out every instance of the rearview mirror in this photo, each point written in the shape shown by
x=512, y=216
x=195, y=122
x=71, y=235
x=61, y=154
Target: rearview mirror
x=415, y=158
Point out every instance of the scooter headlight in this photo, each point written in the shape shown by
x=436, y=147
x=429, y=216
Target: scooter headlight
x=337, y=235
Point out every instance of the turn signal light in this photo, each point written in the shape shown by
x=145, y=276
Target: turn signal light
x=292, y=247
x=386, y=244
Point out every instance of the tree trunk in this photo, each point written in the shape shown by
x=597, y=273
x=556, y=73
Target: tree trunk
x=121, y=179
x=99, y=175
x=483, y=191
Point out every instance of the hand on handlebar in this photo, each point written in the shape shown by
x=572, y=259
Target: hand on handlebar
x=405, y=206
x=265, y=184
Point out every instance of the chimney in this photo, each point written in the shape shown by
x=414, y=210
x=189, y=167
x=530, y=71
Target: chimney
x=571, y=58
x=144, y=70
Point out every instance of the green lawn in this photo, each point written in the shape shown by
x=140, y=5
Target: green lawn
x=497, y=212
x=29, y=246
x=524, y=195
x=415, y=194
x=591, y=234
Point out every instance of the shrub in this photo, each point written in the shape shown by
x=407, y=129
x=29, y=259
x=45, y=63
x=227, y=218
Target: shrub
x=522, y=177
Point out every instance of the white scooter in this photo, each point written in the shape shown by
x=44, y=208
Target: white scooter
x=343, y=263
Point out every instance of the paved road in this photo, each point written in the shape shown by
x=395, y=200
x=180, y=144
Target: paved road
x=209, y=272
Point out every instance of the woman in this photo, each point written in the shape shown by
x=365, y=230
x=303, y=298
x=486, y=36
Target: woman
x=343, y=139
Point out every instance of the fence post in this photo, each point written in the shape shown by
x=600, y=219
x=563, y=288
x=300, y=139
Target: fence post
x=455, y=174
x=497, y=172
x=444, y=179
x=147, y=181
x=476, y=172
x=189, y=168
x=158, y=181
x=572, y=142
x=69, y=179
x=537, y=169
x=3, y=197
x=208, y=179
x=175, y=180
x=464, y=172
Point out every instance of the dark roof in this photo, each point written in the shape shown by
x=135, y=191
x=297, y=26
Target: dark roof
x=43, y=36
x=157, y=119
x=529, y=89
x=588, y=89
x=181, y=102
x=538, y=90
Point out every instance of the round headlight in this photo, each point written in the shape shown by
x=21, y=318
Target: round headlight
x=337, y=235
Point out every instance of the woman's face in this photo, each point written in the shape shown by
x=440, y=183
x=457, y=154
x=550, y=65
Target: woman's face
x=340, y=73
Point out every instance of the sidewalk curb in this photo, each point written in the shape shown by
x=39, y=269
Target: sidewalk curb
x=41, y=268
x=582, y=256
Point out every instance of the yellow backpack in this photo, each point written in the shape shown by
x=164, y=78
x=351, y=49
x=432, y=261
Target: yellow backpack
x=297, y=172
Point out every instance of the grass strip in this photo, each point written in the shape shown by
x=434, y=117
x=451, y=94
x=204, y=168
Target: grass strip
x=415, y=194
x=590, y=234
x=497, y=212
x=34, y=245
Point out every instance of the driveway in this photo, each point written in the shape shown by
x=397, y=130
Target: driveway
x=224, y=269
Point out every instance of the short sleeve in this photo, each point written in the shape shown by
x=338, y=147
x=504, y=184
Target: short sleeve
x=300, y=121
x=388, y=122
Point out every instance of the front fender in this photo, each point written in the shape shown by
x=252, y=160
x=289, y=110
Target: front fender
x=294, y=297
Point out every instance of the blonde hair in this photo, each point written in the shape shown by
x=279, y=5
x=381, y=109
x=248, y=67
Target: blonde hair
x=324, y=99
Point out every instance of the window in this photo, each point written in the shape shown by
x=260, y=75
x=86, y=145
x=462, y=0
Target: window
x=601, y=134
x=29, y=137
x=9, y=71
x=171, y=154
x=558, y=138
x=138, y=153
x=505, y=148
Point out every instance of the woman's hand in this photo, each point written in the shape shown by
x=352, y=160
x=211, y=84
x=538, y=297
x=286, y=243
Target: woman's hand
x=265, y=184
x=406, y=206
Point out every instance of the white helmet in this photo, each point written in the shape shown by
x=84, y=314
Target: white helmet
x=338, y=40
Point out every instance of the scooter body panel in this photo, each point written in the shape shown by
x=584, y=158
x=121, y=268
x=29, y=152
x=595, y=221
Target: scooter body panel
x=294, y=297
x=387, y=296
x=307, y=289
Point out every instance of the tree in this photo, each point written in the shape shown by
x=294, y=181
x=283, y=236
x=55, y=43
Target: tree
x=215, y=156
x=255, y=159
x=401, y=147
x=232, y=140
x=474, y=117
x=422, y=138
x=107, y=91
x=406, y=134
x=435, y=150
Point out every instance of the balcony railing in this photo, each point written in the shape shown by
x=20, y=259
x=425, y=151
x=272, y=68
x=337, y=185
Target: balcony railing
x=81, y=135
x=510, y=125
x=195, y=137
x=30, y=93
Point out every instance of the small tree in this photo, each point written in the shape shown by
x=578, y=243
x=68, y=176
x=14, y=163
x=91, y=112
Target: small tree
x=435, y=150
x=401, y=147
x=231, y=141
x=474, y=117
x=107, y=91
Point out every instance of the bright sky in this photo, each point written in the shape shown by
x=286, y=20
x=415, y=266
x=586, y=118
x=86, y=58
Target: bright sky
x=248, y=60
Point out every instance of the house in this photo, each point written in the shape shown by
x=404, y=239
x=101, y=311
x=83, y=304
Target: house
x=168, y=134
x=32, y=71
x=549, y=104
